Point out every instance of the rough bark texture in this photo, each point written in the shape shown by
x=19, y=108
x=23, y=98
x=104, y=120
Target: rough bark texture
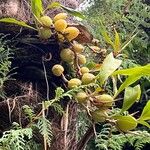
x=20, y=9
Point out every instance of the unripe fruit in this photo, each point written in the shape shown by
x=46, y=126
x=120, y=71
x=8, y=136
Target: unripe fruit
x=60, y=37
x=60, y=25
x=99, y=115
x=46, y=21
x=71, y=33
x=81, y=97
x=60, y=16
x=57, y=70
x=81, y=59
x=84, y=70
x=126, y=123
x=67, y=55
x=75, y=82
x=44, y=33
x=78, y=48
x=103, y=100
x=87, y=78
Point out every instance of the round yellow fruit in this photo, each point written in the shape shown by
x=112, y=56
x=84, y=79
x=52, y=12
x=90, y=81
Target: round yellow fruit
x=75, y=82
x=60, y=25
x=67, y=55
x=87, y=78
x=57, y=70
x=99, y=115
x=46, y=21
x=71, y=33
x=44, y=33
x=126, y=123
x=60, y=16
x=81, y=97
x=84, y=70
x=81, y=59
x=78, y=48
x=104, y=100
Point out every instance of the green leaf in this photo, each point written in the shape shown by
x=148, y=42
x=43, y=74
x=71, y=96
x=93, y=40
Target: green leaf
x=69, y=10
x=105, y=35
x=109, y=65
x=144, y=123
x=132, y=94
x=59, y=91
x=130, y=80
x=53, y=5
x=129, y=41
x=14, y=21
x=37, y=7
x=117, y=43
x=140, y=70
x=146, y=112
x=73, y=12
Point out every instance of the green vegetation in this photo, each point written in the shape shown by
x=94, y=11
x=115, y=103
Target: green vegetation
x=105, y=92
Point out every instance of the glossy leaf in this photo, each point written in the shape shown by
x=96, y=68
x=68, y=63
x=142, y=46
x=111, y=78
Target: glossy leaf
x=130, y=80
x=132, y=94
x=109, y=65
x=14, y=21
x=73, y=12
x=140, y=70
x=69, y=10
x=146, y=112
x=144, y=123
x=117, y=43
x=37, y=7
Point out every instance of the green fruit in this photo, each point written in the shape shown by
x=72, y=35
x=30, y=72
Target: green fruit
x=81, y=97
x=81, y=59
x=87, y=78
x=57, y=70
x=126, y=123
x=44, y=33
x=60, y=37
x=84, y=70
x=71, y=33
x=67, y=55
x=103, y=100
x=60, y=16
x=75, y=82
x=46, y=21
x=78, y=48
x=60, y=25
x=99, y=115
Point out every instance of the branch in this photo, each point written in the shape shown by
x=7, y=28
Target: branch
x=85, y=139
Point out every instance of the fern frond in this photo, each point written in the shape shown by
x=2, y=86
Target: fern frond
x=15, y=139
x=5, y=63
x=28, y=112
x=45, y=129
x=57, y=107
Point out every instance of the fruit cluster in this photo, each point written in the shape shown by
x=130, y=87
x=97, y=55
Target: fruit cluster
x=96, y=102
x=60, y=25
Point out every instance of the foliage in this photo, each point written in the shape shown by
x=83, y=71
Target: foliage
x=15, y=139
x=121, y=141
x=94, y=87
x=124, y=16
x=6, y=54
